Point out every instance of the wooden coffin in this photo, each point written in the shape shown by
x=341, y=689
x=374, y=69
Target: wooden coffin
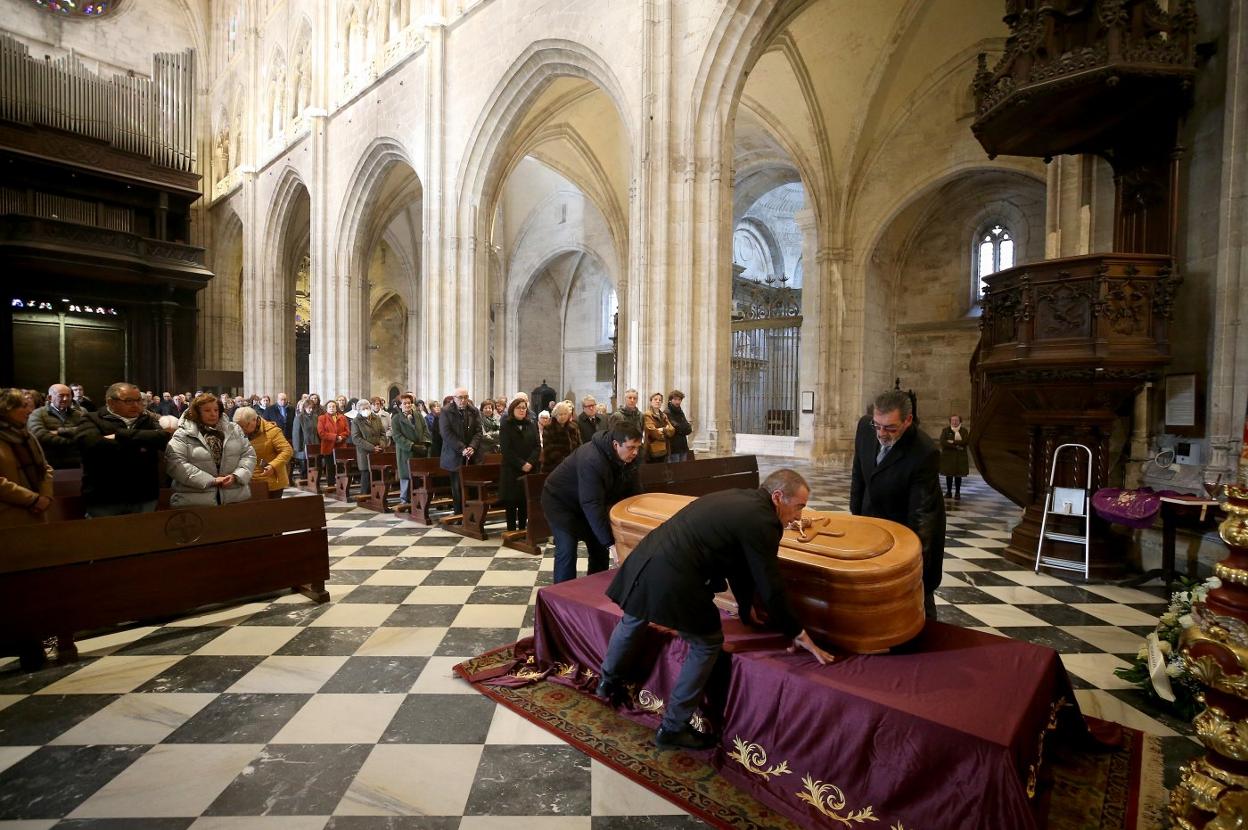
x=856, y=583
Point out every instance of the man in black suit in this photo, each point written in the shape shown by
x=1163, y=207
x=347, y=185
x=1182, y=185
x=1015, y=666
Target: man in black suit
x=282, y=414
x=896, y=476
x=727, y=538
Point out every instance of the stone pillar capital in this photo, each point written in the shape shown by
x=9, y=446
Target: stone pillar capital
x=829, y=253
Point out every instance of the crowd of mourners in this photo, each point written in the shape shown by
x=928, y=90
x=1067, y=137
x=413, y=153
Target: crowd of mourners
x=211, y=449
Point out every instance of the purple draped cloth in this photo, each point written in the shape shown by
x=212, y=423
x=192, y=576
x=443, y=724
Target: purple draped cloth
x=945, y=732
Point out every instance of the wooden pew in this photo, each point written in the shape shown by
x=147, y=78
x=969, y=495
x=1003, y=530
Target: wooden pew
x=310, y=481
x=430, y=489
x=479, y=483
x=346, y=472
x=383, y=479
x=537, y=531
x=66, y=577
x=697, y=478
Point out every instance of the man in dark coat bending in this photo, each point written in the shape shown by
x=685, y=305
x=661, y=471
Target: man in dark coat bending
x=578, y=495
x=731, y=537
x=896, y=476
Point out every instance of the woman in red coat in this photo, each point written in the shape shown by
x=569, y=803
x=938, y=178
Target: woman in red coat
x=332, y=428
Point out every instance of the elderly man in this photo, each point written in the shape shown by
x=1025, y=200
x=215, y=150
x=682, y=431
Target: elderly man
x=896, y=476
x=282, y=414
x=731, y=537
x=460, y=427
x=629, y=412
x=589, y=422
x=121, y=455
x=55, y=426
x=368, y=434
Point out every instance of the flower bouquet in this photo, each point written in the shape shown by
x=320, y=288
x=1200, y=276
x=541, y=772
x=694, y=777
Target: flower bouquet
x=1158, y=667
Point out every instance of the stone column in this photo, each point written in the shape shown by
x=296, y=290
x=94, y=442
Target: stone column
x=1080, y=211
x=1140, y=439
x=1228, y=373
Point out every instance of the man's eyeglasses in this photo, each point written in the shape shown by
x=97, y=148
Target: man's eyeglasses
x=891, y=429
x=128, y=400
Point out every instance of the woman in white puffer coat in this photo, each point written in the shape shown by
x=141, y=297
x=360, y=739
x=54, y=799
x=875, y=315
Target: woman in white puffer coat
x=209, y=458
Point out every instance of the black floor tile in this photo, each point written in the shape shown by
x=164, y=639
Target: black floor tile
x=292, y=780
x=986, y=579
x=531, y=781
x=53, y=780
x=283, y=613
x=422, y=616
x=510, y=564
x=343, y=576
x=393, y=823
x=174, y=640
x=452, y=578
x=1049, y=636
x=646, y=823
x=378, y=594
x=37, y=719
x=441, y=719
x=469, y=642
x=380, y=550
x=952, y=615
x=966, y=596
x=15, y=681
x=1070, y=593
x=500, y=595
x=1061, y=614
x=375, y=675
x=326, y=642
x=239, y=719
x=413, y=563
x=201, y=673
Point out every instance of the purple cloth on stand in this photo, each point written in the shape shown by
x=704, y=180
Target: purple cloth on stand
x=1132, y=508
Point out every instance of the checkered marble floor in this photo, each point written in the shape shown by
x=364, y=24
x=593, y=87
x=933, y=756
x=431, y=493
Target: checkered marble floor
x=281, y=713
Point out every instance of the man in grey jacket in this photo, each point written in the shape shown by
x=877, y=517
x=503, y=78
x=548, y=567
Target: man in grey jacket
x=56, y=426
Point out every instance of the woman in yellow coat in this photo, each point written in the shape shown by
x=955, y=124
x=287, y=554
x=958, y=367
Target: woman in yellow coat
x=273, y=451
x=25, y=477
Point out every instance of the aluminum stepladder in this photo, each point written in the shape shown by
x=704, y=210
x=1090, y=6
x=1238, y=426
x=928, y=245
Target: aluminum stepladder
x=1071, y=502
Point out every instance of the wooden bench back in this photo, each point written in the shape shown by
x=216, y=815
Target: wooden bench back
x=383, y=458
x=64, y=543
x=344, y=453
x=67, y=482
x=424, y=466
x=312, y=450
x=697, y=478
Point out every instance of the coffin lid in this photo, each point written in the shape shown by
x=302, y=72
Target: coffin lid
x=834, y=537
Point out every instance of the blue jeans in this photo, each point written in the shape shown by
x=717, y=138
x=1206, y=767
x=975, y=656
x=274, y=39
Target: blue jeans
x=704, y=651
x=565, y=551
x=125, y=508
x=674, y=457
x=405, y=490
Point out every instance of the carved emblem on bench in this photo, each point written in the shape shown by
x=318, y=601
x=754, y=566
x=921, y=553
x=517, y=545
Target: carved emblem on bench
x=184, y=527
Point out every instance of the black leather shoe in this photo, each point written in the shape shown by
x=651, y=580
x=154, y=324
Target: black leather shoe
x=684, y=738
x=611, y=692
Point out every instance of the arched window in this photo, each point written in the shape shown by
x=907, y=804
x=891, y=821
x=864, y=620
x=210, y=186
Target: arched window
x=994, y=251
x=68, y=8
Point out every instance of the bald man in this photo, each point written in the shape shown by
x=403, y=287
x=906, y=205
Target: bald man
x=56, y=426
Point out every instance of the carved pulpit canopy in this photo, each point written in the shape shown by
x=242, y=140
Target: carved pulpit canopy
x=1079, y=75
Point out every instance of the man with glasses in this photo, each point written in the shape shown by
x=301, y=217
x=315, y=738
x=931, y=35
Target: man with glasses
x=56, y=426
x=896, y=476
x=122, y=448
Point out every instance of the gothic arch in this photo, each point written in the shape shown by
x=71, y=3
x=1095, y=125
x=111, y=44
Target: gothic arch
x=483, y=167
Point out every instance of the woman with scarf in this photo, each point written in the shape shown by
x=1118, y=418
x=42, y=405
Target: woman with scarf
x=333, y=428
x=25, y=477
x=209, y=458
x=490, y=441
x=521, y=455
